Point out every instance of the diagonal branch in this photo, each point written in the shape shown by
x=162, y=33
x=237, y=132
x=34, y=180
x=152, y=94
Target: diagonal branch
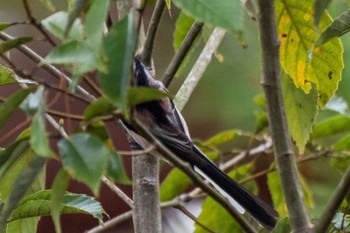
x=181, y=53
x=199, y=68
x=334, y=203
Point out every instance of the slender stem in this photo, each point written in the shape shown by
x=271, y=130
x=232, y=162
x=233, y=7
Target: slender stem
x=64, y=115
x=334, y=203
x=35, y=23
x=49, y=68
x=183, y=209
x=147, y=50
x=181, y=53
x=290, y=182
x=199, y=67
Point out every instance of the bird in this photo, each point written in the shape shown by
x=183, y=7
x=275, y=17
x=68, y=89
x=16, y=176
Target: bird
x=166, y=123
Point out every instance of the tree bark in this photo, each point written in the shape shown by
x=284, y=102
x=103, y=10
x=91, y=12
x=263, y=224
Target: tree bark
x=283, y=148
x=146, y=211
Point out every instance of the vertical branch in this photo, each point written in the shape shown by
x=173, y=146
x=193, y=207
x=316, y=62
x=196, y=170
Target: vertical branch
x=283, y=148
x=145, y=168
x=146, y=211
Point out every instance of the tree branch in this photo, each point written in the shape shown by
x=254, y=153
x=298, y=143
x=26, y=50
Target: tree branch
x=181, y=53
x=334, y=203
x=283, y=147
x=35, y=23
x=146, y=54
x=49, y=68
x=199, y=67
x=145, y=168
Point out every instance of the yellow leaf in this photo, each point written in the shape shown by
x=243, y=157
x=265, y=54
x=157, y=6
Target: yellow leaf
x=318, y=68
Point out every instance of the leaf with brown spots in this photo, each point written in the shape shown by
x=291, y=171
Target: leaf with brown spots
x=306, y=65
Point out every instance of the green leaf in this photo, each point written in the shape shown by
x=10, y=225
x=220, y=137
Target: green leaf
x=225, y=13
x=119, y=47
x=116, y=169
x=14, y=150
x=84, y=157
x=101, y=106
x=48, y=4
x=337, y=28
x=8, y=107
x=342, y=145
x=175, y=183
x=28, y=225
x=32, y=103
x=308, y=67
x=331, y=126
x=95, y=20
x=319, y=8
x=300, y=110
x=274, y=184
x=260, y=101
x=137, y=95
x=223, y=137
x=19, y=188
x=277, y=197
x=74, y=52
x=261, y=122
x=74, y=12
x=38, y=139
x=13, y=43
x=282, y=226
x=3, y=26
x=56, y=23
x=217, y=218
x=182, y=26
x=58, y=190
x=7, y=76
x=38, y=204
x=341, y=163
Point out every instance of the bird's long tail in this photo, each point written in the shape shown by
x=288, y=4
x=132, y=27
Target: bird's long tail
x=263, y=213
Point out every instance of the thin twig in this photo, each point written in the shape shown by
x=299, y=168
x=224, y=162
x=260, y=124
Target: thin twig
x=65, y=115
x=182, y=208
x=147, y=50
x=49, y=68
x=117, y=191
x=180, y=55
x=35, y=23
x=199, y=67
x=138, y=152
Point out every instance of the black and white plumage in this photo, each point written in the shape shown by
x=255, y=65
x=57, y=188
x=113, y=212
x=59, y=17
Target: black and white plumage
x=165, y=122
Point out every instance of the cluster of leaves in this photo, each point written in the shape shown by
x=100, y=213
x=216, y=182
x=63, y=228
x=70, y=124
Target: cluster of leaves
x=312, y=63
